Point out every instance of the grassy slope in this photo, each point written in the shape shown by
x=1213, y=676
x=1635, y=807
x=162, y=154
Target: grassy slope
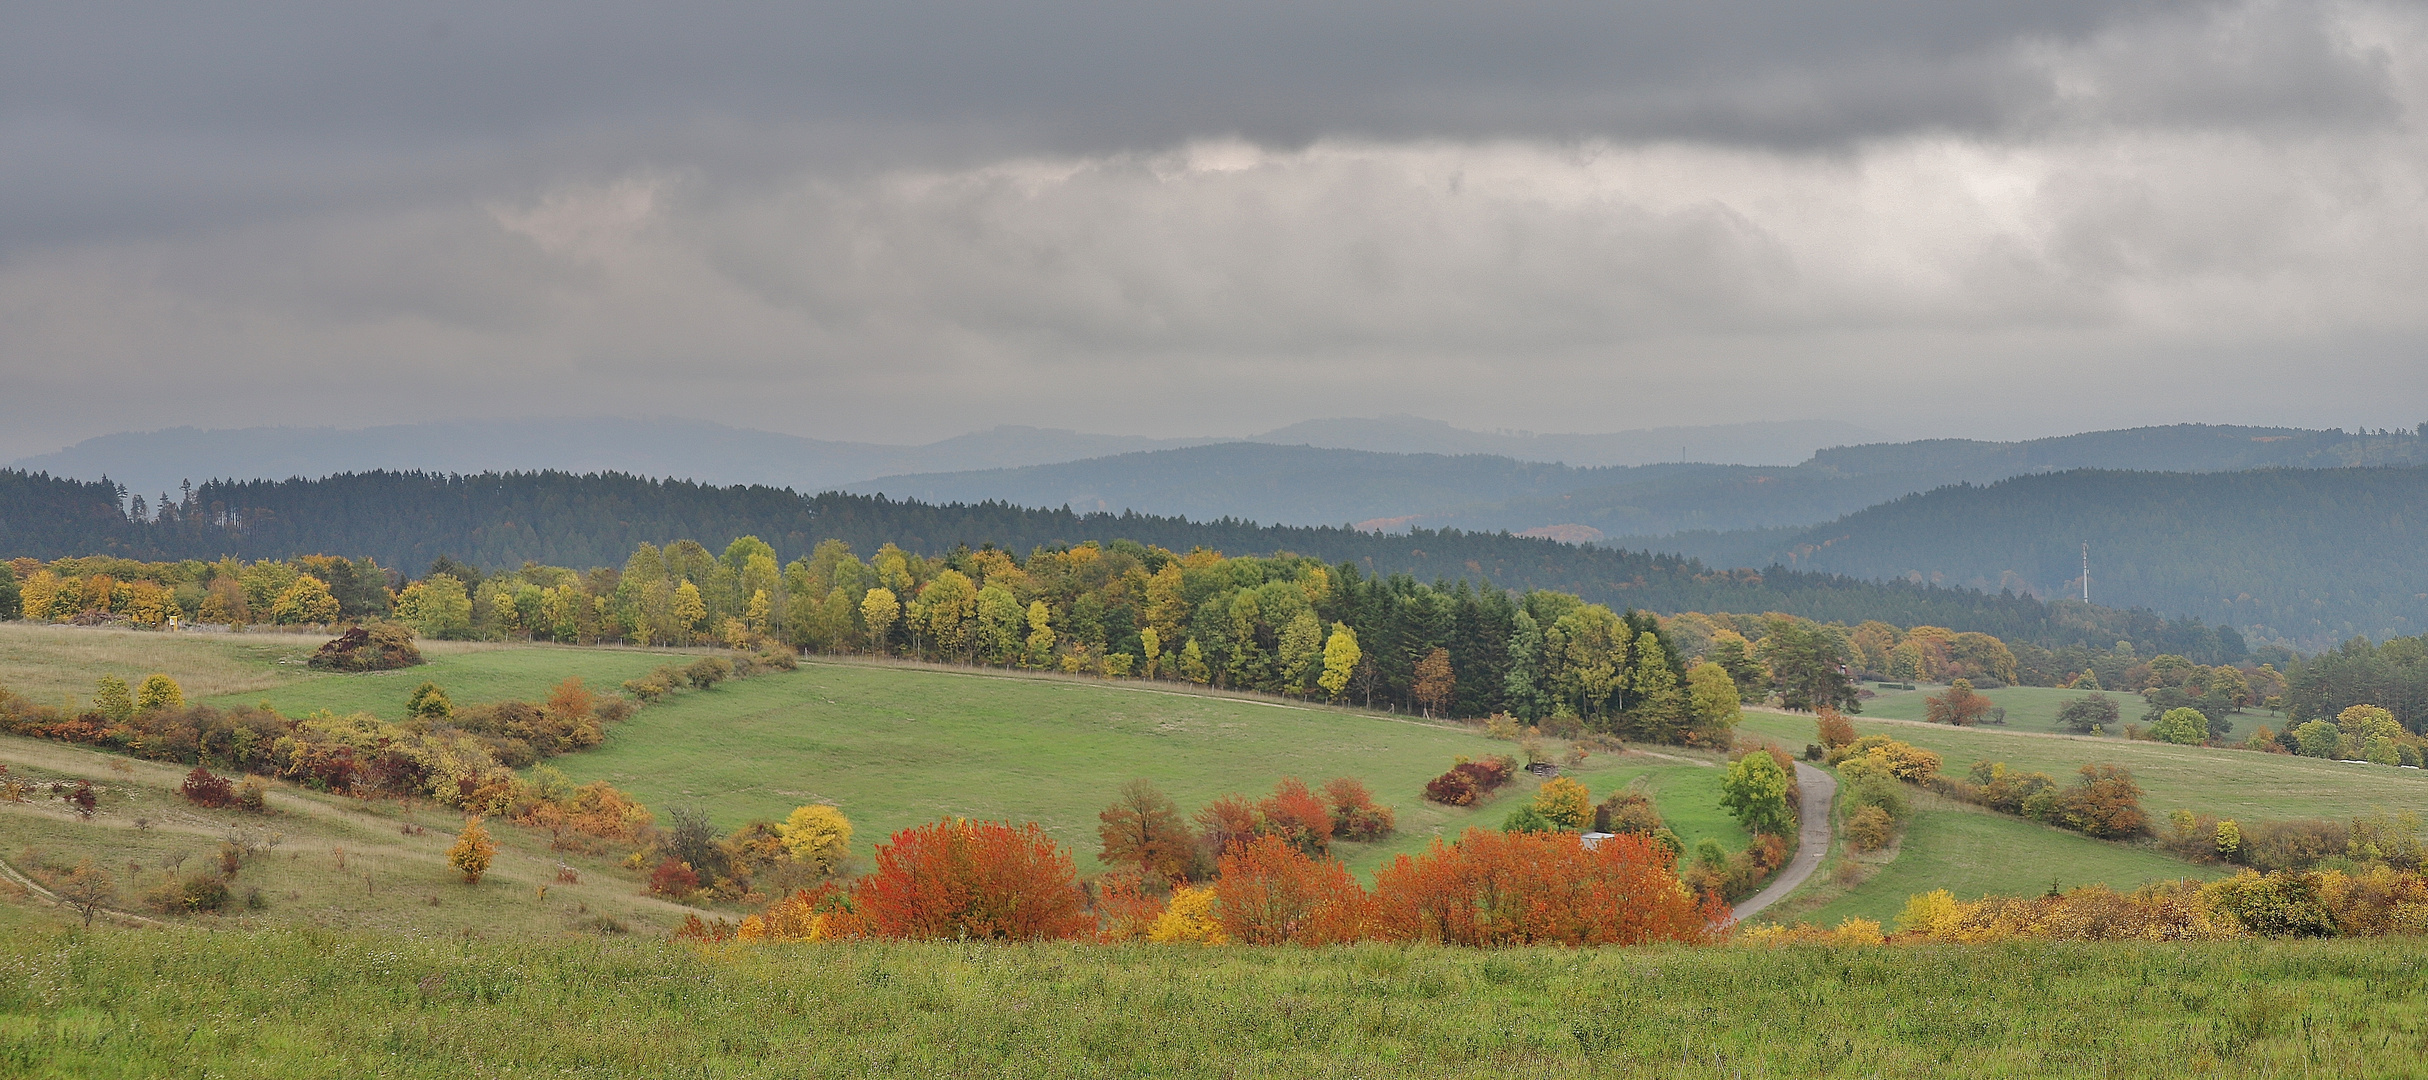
x=44, y=662
x=896, y=746
x=2034, y=708
x=469, y=673
x=1972, y=852
x=2229, y=783
x=388, y=881
x=122, y=1004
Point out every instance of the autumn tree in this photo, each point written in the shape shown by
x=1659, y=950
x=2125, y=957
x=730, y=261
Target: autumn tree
x=1958, y=707
x=1564, y=802
x=959, y=880
x=1501, y=889
x=88, y=889
x=1298, y=651
x=1355, y=814
x=1754, y=791
x=1833, y=728
x=112, y=699
x=1144, y=829
x=1434, y=684
x=1715, y=704
x=1269, y=892
x=159, y=692
x=1340, y=660
x=817, y=836
x=879, y=610
x=1294, y=814
x=472, y=851
x=1807, y=667
x=429, y=703
x=2104, y=802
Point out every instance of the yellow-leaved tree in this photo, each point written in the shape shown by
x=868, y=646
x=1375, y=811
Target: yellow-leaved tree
x=818, y=836
x=879, y=610
x=159, y=692
x=1189, y=918
x=472, y=851
x=1340, y=660
x=1565, y=802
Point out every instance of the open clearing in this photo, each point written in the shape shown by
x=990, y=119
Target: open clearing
x=2035, y=708
x=320, y=1004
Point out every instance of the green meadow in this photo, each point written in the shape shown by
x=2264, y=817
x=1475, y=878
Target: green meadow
x=309, y=1004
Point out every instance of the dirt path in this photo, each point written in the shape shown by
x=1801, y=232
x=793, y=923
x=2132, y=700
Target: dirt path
x=1812, y=840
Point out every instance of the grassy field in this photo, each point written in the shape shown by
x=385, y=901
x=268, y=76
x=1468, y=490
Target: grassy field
x=1972, y=852
x=2229, y=783
x=45, y=662
x=2034, y=708
x=321, y=861
x=316, y=1004
x=898, y=746
x=469, y=672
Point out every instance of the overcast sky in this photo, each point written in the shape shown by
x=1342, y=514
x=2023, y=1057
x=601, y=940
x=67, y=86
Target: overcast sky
x=900, y=221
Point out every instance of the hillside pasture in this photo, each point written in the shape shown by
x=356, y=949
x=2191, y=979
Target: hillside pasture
x=2236, y=784
x=471, y=673
x=1973, y=852
x=46, y=663
x=896, y=746
x=325, y=861
x=2035, y=708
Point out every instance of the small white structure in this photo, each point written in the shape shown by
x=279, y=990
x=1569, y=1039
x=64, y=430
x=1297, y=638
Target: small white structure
x=1594, y=839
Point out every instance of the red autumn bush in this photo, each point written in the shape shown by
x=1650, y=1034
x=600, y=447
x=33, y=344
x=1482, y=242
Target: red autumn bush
x=674, y=878
x=969, y=879
x=1294, y=814
x=1270, y=893
x=1468, y=781
x=1226, y=823
x=1515, y=888
x=203, y=789
x=1355, y=814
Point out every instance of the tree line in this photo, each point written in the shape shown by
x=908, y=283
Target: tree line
x=493, y=520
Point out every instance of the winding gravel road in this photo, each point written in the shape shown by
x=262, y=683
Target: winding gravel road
x=1812, y=840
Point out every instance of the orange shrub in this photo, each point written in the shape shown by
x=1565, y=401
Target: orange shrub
x=1226, y=823
x=1270, y=893
x=960, y=879
x=1294, y=814
x=1503, y=888
x=1835, y=730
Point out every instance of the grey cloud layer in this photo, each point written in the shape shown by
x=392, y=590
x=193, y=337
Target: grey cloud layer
x=908, y=224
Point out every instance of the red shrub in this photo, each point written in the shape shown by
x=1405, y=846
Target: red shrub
x=1515, y=888
x=971, y=879
x=1469, y=781
x=674, y=878
x=1270, y=893
x=203, y=789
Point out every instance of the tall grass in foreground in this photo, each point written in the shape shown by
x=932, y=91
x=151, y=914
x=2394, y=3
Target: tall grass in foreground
x=310, y=1004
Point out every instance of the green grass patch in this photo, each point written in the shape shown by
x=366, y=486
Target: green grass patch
x=1972, y=853
x=899, y=746
x=294, y=1004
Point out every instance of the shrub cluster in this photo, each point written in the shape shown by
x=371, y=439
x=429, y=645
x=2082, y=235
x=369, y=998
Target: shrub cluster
x=1144, y=832
x=2103, y=800
x=706, y=672
x=1469, y=781
x=377, y=647
x=959, y=880
x=2375, y=902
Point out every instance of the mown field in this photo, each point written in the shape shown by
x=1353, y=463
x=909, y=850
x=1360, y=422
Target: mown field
x=318, y=1004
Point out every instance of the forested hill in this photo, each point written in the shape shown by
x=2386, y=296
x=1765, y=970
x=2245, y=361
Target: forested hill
x=2310, y=556
x=407, y=520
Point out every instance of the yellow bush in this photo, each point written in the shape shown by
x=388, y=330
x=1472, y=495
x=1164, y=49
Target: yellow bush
x=1565, y=802
x=1189, y=918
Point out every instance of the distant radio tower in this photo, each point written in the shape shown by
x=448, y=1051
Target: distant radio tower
x=2086, y=571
